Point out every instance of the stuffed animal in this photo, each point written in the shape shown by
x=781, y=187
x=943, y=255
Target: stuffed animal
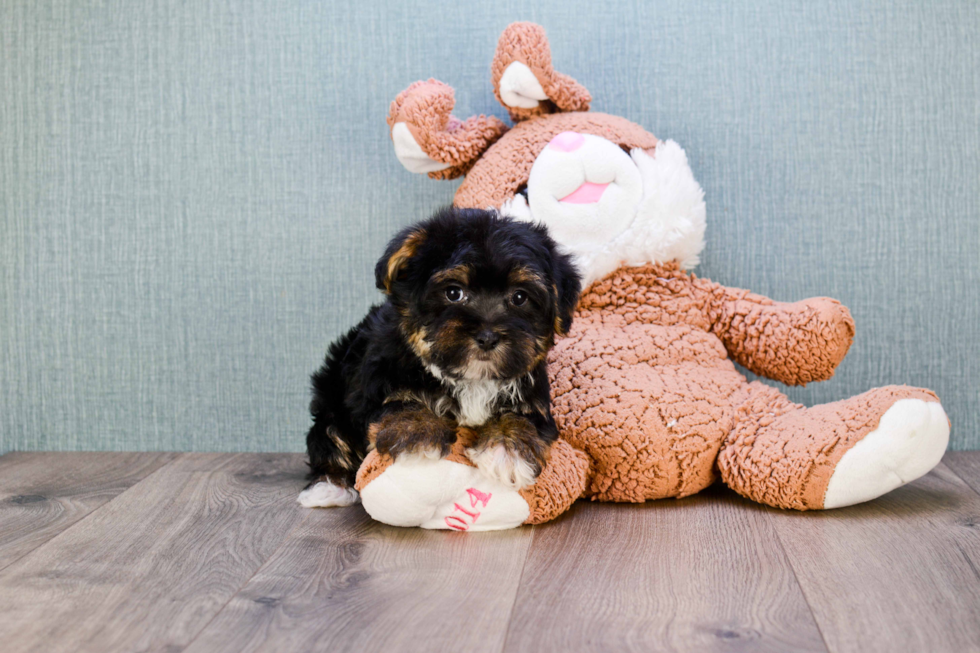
x=645, y=392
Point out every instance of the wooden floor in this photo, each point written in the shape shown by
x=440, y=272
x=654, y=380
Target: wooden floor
x=210, y=552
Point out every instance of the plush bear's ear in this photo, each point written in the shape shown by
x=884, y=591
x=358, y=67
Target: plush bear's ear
x=429, y=139
x=399, y=252
x=568, y=287
x=524, y=80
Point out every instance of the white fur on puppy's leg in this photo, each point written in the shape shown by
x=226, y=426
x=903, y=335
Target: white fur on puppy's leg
x=910, y=440
x=419, y=455
x=500, y=464
x=327, y=495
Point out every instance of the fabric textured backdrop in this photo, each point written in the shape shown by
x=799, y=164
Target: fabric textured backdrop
x=193, y=194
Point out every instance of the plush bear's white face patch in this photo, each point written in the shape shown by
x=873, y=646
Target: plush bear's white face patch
x=608, y=208
x=585, y=189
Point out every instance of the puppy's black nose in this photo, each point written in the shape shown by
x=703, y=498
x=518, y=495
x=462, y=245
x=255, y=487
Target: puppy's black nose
x=487, y=339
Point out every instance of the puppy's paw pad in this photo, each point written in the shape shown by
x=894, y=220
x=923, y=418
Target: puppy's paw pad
x=503, y=465
x=327, y=495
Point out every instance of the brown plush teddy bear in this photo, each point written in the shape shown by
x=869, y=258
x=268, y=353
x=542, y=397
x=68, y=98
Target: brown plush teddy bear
x=646, y=395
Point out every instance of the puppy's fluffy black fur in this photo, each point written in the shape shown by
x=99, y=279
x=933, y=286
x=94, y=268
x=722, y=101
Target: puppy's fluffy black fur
x=473, y=299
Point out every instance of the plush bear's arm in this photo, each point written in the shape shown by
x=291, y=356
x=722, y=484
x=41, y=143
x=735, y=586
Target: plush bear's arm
x=428, y=138
x=793, y=343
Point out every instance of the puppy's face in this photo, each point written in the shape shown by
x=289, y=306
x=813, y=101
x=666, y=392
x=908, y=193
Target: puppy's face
x=480, y=297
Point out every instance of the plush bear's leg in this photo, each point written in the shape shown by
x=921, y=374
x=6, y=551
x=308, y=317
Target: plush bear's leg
x=833, y=455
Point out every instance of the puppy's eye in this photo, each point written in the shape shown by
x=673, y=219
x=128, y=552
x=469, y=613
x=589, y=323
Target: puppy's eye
x=455, y=294
x=519, y=298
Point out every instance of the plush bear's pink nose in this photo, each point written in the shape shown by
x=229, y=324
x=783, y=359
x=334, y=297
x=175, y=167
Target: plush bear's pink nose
x=567, y=141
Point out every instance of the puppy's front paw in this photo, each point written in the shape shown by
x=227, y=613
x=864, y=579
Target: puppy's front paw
x=501, y=464
x=509, y=449
x=418, y=455
x=414, y=432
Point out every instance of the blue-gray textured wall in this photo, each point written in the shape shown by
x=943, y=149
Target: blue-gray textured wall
x=193, y=194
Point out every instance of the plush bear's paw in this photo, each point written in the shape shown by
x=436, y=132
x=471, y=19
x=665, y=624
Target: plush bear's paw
x=410, y=154
x=327, y=495
x=520, y=88
x=428, y=139
x=419, y=111
x=499, y=463
x=910, y=440
x=524, y=78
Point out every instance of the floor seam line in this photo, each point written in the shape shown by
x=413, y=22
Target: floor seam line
x=796, y=577
x=520, y=583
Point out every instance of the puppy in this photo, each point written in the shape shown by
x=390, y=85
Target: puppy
x=474, y=301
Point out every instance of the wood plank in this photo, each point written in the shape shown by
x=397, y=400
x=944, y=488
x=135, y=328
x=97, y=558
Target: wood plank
x=966, y=465
x=704, y=573
x=150, y=569
x=344, y=582
x=901, y=573
x=42, y=494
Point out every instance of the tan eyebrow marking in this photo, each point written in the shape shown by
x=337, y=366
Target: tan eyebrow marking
x=525, y=275
x=460, y=274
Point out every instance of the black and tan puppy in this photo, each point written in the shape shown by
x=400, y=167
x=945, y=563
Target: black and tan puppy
x=474, y=301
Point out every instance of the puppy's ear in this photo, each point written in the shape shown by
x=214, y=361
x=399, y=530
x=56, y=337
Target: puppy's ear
x=568, y=287
x=400, y=250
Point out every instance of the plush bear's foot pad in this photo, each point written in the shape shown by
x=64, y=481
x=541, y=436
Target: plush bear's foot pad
x=327, y=495
x=442, y=494
x=910, y=440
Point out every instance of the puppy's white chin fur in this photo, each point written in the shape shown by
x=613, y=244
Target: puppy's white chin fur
x=327, y=495
x=479, y=370
x=500, y=464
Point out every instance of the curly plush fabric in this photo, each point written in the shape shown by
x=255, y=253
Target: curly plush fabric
x=793, y=343
x=645, y=390
x=505, y=167
x=783, y=454
x=426, y=109
x=562, y=481
x=644, y=385
x=527, y=43
x=650, y=405
x=371, y=468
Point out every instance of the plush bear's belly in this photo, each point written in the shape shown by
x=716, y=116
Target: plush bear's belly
x=649, y=404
